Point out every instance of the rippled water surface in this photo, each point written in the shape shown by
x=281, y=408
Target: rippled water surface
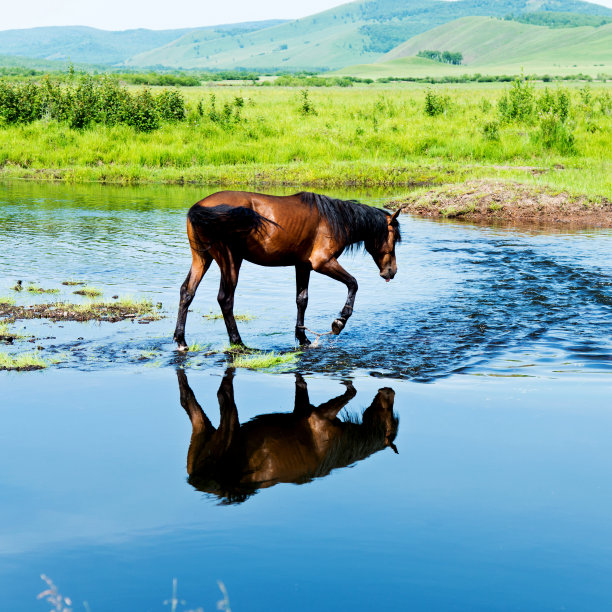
x=125, y=466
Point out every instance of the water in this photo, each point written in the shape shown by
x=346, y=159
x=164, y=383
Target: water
x=498, y=499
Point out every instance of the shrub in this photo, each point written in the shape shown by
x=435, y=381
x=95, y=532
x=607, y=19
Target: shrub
x=306, y=107
x=517, y=104
x=171, y=105
x=435, y=104
x=143, y=115
x=554, y=133
x=605, y=103
x=557, y=102
x=93, y=100
x=490, y=130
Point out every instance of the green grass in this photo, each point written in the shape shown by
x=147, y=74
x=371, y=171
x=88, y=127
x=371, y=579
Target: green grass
x=90, y=292
x=25, y=361
x=73, y=283
x=195, y=347
x=7, y=301
x=135, y=307
x=375, y=136
x=264, y=361
x=36, y=289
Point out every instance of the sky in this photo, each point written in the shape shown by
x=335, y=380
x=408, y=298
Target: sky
x=155, y=14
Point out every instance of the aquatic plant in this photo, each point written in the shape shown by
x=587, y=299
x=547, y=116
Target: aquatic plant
x=88, y=292
x=264, y=360
x=32, y=288
x=6, y=334
x=25, y=361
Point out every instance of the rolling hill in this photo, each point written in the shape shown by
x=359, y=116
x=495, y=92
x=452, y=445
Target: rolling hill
x=362, y=31
x=87, y=45
x=495, y=46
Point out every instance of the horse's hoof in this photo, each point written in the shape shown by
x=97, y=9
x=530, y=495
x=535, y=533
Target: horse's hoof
x=337, y=326
x=183, y=348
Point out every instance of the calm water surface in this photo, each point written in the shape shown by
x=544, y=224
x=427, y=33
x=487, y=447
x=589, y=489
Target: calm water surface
x=499, y=498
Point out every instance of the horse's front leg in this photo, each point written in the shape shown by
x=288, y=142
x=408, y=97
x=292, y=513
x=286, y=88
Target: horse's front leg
x=302, y=276
x=199, y=267
x=334, y=270
x=230, y=267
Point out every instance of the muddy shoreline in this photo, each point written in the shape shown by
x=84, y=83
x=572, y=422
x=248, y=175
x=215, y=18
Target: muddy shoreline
x=507, y=203
x=62, y=311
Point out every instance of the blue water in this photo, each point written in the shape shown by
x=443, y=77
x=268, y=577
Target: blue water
x=498, y=499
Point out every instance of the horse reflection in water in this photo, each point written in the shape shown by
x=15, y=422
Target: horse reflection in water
x=233, y=461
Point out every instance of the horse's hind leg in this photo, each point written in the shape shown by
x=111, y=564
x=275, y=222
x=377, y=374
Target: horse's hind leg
x=302, y=276
x=334, y=270
x=199, y=266
x=201, y=427
x=230, y=267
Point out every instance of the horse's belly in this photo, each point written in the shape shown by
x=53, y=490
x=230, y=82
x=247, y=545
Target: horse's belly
x=266, y=259
x=279, y=254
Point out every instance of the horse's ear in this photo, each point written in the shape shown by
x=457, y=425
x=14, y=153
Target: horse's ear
x=394, y=215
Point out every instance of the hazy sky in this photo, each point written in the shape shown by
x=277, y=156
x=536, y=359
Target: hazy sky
x=155, y=14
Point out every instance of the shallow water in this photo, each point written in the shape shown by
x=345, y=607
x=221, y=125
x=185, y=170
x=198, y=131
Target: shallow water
x=498, y=499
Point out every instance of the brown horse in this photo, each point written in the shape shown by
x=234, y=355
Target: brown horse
x=305, y=230
x=233, y=461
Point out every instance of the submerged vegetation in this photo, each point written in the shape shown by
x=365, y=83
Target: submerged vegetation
x=367, y=136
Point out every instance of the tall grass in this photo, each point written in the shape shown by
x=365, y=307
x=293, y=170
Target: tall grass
x=367, y=136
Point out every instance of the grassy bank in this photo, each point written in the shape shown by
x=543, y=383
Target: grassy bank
x=506, y=203
x=334, y=137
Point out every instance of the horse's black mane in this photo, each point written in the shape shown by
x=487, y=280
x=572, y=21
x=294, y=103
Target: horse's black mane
x=352, y=222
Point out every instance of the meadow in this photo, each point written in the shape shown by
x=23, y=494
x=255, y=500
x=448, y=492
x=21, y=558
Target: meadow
x=396, y=134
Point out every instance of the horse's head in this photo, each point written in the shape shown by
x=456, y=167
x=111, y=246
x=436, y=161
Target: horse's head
x=382, y=247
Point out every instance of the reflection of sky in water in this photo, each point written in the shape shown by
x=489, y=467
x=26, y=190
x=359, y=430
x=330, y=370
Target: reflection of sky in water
x=500, y=490
x=499, y=498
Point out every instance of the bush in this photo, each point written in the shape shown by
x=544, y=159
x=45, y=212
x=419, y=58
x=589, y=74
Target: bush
x=490, y=130
x=143, y=115
x=557, y=102
x=306, y=107
x=94, y=100
x=554, y=133
x=435, y=104
x=171, y=106
x=518, y=103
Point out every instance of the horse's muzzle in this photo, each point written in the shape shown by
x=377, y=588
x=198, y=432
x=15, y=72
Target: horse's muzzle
x=387, y=275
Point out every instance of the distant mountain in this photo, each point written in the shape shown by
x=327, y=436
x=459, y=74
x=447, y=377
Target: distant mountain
x=357, y=32
x=82, y=44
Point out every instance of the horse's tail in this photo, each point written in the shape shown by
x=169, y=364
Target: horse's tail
x=223, y=223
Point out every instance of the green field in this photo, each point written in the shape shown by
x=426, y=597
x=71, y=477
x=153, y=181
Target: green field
x=348, y=137
x=494, y=46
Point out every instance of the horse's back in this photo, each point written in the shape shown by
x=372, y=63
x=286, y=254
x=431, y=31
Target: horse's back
x=291, y=226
